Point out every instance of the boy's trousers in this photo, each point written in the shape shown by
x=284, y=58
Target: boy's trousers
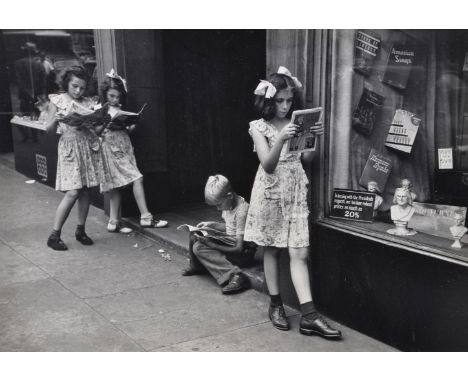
x=220, y=265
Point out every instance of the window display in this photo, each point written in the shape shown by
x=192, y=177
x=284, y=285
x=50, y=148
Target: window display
x=36, y=58
x=401, y=130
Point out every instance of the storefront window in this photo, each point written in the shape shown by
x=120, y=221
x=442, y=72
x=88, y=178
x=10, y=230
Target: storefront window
x=35, y=60
x=399, y=109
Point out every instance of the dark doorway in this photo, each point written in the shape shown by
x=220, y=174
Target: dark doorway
x=209, y=78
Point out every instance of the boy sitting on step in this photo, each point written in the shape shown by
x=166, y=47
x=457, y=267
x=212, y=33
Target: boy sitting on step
x=223, y=261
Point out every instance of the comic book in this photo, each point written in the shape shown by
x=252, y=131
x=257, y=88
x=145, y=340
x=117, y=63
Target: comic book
x=78, y=115
x=210, y=233
x=127, y=118
x=304, y=140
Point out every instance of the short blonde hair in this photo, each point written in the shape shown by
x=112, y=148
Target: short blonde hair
x=217, y=186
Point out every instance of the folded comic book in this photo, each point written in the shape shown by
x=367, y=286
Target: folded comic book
x=304, y=140
x=210, y=233
x=78, y=115
x=126, y=118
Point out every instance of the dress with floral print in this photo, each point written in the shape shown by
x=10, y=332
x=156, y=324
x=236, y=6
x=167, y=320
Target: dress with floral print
x=278, y=213
x=80, y=161
x=119, y=159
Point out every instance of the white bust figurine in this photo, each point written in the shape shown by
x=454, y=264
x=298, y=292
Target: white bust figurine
x=458, y=230
x=407, y=185
x=401, y=212
x=373, y=186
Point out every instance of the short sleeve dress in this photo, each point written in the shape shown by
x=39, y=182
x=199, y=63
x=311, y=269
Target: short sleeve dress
x=119, y=157
x=80, y=161
x=278, y=213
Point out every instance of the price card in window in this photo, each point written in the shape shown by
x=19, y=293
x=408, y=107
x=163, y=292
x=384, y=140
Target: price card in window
x=352, y=205
x=445, y=159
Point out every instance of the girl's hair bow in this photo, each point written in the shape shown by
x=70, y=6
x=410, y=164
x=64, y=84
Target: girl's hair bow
x=286, y=72
x=113, y=74
x=265, y=88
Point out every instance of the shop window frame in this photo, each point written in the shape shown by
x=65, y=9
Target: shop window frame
x=422, y=243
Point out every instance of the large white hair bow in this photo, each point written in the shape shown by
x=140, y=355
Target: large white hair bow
x=113, y=74
x=286, y=72
x=265, y=88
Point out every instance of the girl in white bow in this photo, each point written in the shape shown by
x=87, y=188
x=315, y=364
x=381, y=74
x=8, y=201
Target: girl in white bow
x=120, y=160
x=278, y=213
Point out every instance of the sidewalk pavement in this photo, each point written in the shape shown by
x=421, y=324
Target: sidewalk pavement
x=121, y=294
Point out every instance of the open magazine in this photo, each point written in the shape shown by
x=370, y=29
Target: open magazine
x=78, y=115
x=210, y=233
x=304, y=140
x=127, y=118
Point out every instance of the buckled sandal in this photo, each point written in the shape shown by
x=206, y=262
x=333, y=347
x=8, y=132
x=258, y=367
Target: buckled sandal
x=118, y=227
x=151, y=222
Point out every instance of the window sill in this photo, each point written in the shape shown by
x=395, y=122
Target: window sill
x=421, y=243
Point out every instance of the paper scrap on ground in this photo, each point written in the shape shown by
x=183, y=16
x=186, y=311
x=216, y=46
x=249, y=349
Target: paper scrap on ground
x=166, y=256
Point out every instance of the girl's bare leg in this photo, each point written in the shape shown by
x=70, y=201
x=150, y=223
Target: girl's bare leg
x=139, y=194
x=300, y=273
x=83, y=206
x=64, y=208
x=271, y=269
x=115, y=202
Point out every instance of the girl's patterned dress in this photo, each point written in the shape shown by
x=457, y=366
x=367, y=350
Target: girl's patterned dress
x=119, y=157
x=80, y=162
x=278, y=213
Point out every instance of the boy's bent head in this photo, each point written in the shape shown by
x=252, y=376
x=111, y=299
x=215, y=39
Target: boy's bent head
x=219, y=192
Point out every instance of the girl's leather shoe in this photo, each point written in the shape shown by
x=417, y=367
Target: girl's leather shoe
x=84, y=239
x=56, y=244
x=319, y=327
x=278, y=317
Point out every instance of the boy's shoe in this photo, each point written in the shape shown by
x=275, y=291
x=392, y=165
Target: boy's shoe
x=319, y=327
x=237, y=283
x=150, y=222
x=118, y=227
x=278, y=318
x=191, y=272
x=83, y=238
x=56, y=244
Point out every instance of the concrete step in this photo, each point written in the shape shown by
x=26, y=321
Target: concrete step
x=177, y=241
